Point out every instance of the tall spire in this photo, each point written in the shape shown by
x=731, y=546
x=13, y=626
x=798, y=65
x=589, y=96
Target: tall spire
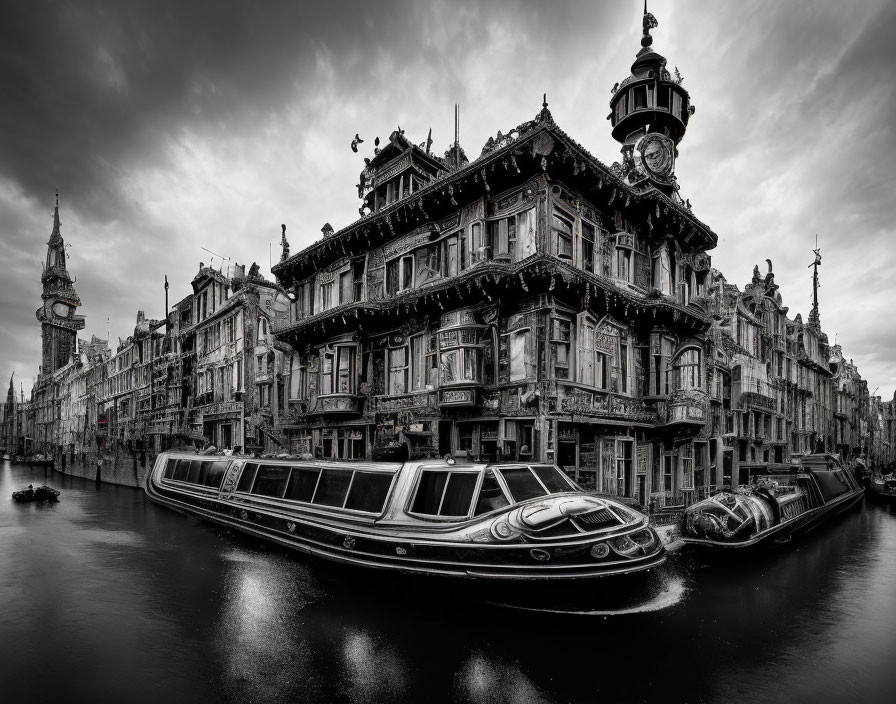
x=814, y=318
x=58, y=317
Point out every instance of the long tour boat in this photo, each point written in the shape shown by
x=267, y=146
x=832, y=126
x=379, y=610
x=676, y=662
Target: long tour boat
x=489, y=521
x=774, y=506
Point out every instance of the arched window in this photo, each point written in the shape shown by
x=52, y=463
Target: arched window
x=686, y=370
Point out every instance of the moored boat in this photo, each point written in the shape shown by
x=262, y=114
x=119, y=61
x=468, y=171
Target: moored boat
x=42, y=493
x=489, y=521
x=882, y=488
x=774, y=506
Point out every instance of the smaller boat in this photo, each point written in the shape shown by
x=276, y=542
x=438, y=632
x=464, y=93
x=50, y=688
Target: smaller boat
x=42, y=493
x=774, y=506
x=41, y=461
x=882, y=488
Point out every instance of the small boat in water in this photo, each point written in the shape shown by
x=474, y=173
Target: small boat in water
x=774, y=506
x=882, y=488
x=42, y=493
x=436, y=517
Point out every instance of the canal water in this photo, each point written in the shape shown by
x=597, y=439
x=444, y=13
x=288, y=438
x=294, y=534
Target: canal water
x=106, y=597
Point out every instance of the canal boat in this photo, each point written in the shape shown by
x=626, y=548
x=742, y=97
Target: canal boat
x=774, y=506
x=29, y=494
x=502, y=522
x=882, y=489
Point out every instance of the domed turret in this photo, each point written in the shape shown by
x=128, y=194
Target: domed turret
x=649, y=115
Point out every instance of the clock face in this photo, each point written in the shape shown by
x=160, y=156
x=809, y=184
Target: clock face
x=62, y=310
x=657, y=154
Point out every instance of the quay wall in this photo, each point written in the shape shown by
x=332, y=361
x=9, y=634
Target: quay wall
x=124, y=467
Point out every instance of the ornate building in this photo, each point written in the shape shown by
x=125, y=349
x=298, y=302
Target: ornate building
x=531, y=304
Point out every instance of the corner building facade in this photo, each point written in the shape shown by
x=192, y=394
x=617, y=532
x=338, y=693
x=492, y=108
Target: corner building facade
x=533, y=304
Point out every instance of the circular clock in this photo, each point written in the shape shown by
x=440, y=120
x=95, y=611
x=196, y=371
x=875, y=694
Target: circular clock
x=62, y=310
x=657, y=153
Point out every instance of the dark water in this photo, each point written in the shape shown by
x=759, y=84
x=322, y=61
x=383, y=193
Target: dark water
x=106, y=597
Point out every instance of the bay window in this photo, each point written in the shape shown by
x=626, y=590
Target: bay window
x=337, y=374
x=459, y=358
x=686, y=370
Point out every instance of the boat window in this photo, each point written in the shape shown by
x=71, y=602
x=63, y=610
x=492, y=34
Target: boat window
x=832, y=484
x=247, y=477
x=183, y=469
x=444, y=493
x=429, y=492
x=458, y=494
x=195, y=471
x=214, y=474
x=522, y=483
x=368, y=492
x=491, y=496
x=271, y=480
x=301, y=483
x=553, y=479
x=332, y=487
x=170, y=466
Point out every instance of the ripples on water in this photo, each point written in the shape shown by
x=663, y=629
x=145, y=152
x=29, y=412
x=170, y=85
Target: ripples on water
x=107, y=597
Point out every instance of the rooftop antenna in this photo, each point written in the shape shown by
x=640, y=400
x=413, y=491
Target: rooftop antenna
x=456, y=135
x=166, y=296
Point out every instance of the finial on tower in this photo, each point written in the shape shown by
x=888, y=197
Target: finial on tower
x=649, y=22
x=545, y=114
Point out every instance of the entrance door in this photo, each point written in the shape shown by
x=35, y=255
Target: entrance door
x=445, y=432
x=227, y=436
x=642, y=489
x=566, y=458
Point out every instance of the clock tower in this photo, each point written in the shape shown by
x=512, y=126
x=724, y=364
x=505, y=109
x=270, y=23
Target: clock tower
x=649, y=113
x=59, y=323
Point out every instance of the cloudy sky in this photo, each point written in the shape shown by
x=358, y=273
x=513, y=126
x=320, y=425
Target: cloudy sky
x=172, y=128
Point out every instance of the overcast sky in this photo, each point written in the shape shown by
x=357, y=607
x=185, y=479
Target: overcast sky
x=169, y=127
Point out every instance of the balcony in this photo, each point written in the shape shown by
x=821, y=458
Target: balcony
x=580, y=401
x=755, y=400
x=337, y=404
x=686, y=407
x=420, y=401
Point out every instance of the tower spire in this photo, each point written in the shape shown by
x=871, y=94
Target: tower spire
x=57, y=314
x=814, y=318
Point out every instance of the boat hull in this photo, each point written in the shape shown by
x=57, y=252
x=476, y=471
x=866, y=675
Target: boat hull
x=773, y=508
x=878, y=491
x=784, y=532
x=410, y=550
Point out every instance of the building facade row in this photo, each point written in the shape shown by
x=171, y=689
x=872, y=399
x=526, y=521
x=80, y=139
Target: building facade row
x=532, y=304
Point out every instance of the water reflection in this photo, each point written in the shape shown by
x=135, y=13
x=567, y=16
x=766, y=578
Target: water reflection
x=374, y=671
x=487, y=678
